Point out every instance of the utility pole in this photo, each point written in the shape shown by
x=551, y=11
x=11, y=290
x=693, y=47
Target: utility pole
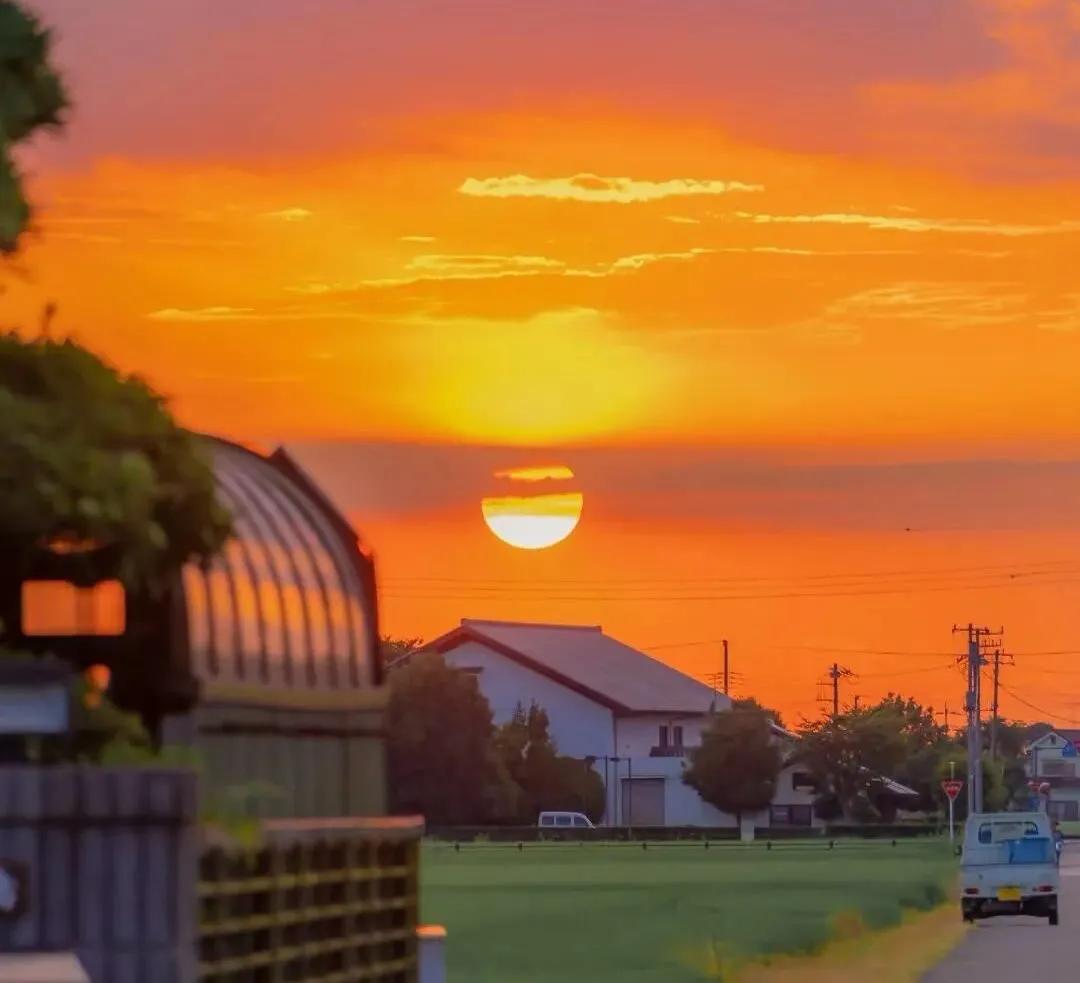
x=836, y=673
x=972, y=705
x=995, y=721
x=945, y=717
x=727, y=680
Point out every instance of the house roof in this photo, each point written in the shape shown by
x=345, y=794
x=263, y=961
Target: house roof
x=600, y=667
x=1068, y=733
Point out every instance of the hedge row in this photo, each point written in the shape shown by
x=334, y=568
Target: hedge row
x=532, y=834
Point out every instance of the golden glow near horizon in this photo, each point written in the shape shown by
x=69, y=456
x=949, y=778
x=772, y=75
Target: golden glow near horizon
x=537, y=519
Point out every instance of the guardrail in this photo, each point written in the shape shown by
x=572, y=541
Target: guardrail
x=321, y=900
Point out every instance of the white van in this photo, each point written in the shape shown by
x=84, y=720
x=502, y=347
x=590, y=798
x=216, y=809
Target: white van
x=1009, y=866
x=564, y=820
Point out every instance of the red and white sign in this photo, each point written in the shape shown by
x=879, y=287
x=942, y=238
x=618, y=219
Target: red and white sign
x=951, y=787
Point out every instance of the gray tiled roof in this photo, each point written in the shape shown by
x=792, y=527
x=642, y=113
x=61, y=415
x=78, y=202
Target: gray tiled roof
x=584, y=657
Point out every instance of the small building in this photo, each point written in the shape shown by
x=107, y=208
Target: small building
x=265, y=660
x=1053, y=759
x=636, y=718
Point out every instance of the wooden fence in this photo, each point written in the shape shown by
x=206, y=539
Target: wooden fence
x=321, y=901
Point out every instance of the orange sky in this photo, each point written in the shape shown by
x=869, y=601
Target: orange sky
x=830, y=236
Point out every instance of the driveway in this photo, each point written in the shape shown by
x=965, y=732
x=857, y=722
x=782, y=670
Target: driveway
x=1005, y=950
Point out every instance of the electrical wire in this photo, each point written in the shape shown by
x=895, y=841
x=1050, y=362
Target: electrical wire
x=1031, y=706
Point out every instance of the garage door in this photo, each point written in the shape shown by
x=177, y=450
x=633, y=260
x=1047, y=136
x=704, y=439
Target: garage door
x=643, y=801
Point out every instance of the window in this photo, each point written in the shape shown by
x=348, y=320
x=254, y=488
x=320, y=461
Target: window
x=793, y=815
x=803, y=780
x=57, y=607
x=678, y=736
x=1007, y=830
x=663, y=736
x=562, y=820
x=581, y=821
x=1058, y=769
x=547, y=820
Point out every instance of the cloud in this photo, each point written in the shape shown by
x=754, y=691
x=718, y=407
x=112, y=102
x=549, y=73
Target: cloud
x=482, y=263
x=913, y=224
x=416, y=238
x=592, y=188
x=682, y=220
x=438, y=266
x=217, y=313
x=289, y=214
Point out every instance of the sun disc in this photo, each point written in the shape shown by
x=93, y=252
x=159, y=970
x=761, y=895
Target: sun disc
x=536, y=519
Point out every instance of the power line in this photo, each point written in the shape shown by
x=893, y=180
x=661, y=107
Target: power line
x=712, y=598
x=999, y=570
x=1031, y=706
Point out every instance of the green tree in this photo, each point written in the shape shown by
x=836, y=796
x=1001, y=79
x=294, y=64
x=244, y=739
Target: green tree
x=849, y=756
x=90, y=456
x=750, y=703
x=738, y=762
x=439, y=744
x=925, y=741
x=31, y=98
x=394, y=650
x=545, y=779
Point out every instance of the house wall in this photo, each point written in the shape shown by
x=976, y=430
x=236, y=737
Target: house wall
x=580, y=727
x=1061, y=770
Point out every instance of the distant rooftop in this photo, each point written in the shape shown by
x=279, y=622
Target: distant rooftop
x=584, y=658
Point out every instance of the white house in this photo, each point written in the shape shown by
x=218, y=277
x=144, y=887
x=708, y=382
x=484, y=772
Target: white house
x=637, y=718
x=1055, y=759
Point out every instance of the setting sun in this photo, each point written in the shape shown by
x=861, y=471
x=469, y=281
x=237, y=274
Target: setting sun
x=536, y=519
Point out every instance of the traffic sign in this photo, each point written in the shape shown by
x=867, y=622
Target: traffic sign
x=951, y=787
x=1069, y=751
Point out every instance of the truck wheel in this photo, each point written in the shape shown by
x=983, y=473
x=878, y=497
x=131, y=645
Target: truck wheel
x=1052, y=918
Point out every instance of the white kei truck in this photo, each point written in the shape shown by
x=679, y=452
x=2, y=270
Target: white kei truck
x=1009, y=866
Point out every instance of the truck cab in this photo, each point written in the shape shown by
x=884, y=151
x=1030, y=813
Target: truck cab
x=1009, y=866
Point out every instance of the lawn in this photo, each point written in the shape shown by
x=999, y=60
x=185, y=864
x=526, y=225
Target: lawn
x=600, y=913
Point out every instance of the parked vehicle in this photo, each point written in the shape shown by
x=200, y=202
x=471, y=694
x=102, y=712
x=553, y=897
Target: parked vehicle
x=1009, y=866
x=564, y=820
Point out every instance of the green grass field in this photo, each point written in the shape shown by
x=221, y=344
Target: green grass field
x=601, y=913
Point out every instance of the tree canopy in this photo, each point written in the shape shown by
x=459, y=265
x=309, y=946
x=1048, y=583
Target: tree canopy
x=439, y=742
x=738, y=762
x=545, y=779
x=90, y=456
x=31, y=97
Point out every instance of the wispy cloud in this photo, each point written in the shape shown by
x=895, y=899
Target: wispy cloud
x=913, y=224
x=593, y=188
x=416, y=238
x=217, y=313
x=289, y=214
x=683, y=220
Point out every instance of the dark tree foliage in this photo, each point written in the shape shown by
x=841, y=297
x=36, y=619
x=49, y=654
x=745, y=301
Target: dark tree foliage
x=394, y=650
x=545, y=779
x=439, y=743
x=849, y=755
x=31, y=98
x=750, y=703
x=738, y=762
x=90, y=456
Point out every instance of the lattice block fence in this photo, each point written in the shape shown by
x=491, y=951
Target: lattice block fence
x=321, y=901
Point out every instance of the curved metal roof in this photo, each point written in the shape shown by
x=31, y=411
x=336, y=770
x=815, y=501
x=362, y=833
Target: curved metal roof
x=289, y=604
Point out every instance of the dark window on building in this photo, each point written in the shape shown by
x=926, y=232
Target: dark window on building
x=795, y=815
x=803, y=780
x=678, y=736
x=663, y=737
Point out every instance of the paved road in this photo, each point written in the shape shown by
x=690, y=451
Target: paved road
x=1005, y=950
